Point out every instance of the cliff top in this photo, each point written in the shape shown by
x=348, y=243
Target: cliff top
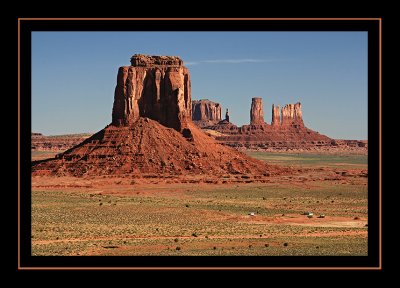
x=204, y=101
x=141, y=60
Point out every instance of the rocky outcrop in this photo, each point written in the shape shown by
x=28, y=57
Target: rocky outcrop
x=307, y=145
x=276, y=115
x=152, y=96
x=206, y=113
x=140, y=60
x=289, y=115
x=56, y=143
x=227, y=115
x=147, y=147
x=350, y=143
x=206, y=110
x=61, y=143
x=256, y=112
x=157, y=87
x=292, y=115
x=223, y=127
x=287, y=130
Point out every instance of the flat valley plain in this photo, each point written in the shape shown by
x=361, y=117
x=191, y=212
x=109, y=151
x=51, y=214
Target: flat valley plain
x=117, y=215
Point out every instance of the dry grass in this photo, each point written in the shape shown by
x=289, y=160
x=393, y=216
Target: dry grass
x=161, y=218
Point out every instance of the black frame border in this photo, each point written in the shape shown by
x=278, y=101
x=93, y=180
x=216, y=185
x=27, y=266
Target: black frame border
x=374, y=259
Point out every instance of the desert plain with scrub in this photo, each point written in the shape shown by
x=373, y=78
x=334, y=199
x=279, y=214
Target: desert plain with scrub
x=154, y=183
x=124, y=216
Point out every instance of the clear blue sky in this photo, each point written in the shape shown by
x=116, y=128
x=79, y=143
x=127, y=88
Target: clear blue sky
x=74, y=75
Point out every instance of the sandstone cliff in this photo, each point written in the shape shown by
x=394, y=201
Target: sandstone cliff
x=292, y=115
x=152, y=132
x=206, y=112
x=157, y=87
x=256, y=111
x=276, y=115
x=286, y=131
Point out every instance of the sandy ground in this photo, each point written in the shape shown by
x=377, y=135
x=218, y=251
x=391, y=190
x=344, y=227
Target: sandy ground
x=152, y=216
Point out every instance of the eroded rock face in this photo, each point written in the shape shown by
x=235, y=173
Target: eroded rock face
x=287, y=130
x=227, y=115
x=256, y=112
x=157, y=87
x=152, y=97
x=205, y=110
x=57, y=143
x=206, y=113
x=292, y=115
x=276, y=115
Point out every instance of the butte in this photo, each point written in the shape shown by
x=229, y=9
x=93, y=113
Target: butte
x=286, y=131
x=152, y=131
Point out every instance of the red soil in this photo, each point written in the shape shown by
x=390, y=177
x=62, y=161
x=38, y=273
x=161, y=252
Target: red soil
x=148, y=147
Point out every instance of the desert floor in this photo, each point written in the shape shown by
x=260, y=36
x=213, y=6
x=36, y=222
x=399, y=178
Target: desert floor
x=198, y=215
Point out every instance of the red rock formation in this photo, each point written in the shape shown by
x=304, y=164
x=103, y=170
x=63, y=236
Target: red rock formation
x=151, y=97
x=292, y=115
x=61, y=143
x=57, y=143
x=157, y=87
x=287, y=130
x=276, y=115
x=256, y=112
x=147, y=147
x=206, y=110
x=227, y=115
x=224, y=127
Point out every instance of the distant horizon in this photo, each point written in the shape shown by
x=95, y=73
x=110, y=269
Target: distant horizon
x=74, y=75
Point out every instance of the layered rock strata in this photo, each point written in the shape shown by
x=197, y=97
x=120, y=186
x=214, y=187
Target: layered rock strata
x=292, y=115
x=157, y=87
x=227, y=115
x=57, y=143
x=152, y=131
x=206, y=112
x=256, y=111
x=286, y=131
